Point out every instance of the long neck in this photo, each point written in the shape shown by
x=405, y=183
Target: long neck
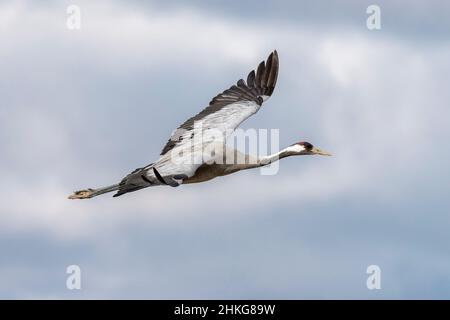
x=252, y=162
x=266, y=160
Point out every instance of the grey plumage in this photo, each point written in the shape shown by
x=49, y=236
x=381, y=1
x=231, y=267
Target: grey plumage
x=260, y=84
x=225, y=112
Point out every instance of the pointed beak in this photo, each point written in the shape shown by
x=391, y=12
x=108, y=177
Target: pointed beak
x=320, y=152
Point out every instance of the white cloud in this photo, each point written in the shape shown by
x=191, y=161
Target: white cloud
x=376, y=93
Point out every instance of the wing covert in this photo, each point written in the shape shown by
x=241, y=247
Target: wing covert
x=231, y=107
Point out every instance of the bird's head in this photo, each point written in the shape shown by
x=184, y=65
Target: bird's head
x=306, y=148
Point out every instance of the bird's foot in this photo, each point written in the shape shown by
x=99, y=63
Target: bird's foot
x=82, y=194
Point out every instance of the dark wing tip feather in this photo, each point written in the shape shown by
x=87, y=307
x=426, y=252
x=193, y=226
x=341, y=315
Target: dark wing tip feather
x=264, y=80
x=273, y=72
x=259, y=74
x=259, y=83
x=267, y=75
x=251, y=78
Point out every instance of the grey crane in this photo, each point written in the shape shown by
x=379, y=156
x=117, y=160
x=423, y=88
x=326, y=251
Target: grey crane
x=183, y=159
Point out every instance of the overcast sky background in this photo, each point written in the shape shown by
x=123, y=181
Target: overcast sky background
x=83, y=108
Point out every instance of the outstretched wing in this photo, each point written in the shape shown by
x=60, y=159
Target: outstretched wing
x=229, y=109
x=225, y=113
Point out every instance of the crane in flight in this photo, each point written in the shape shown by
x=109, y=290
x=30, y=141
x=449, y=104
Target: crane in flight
x=183, y=159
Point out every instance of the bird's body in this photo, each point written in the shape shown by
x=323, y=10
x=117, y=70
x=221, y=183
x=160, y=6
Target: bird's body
x=184, y=160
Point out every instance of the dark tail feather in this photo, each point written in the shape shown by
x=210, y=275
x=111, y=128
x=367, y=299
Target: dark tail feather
x=133, y=182
x=128, y=188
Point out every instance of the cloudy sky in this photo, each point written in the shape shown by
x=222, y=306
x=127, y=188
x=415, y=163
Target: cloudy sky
x=82, y=108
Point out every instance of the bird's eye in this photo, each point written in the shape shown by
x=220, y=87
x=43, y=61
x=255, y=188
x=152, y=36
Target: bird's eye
x=308, y=146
